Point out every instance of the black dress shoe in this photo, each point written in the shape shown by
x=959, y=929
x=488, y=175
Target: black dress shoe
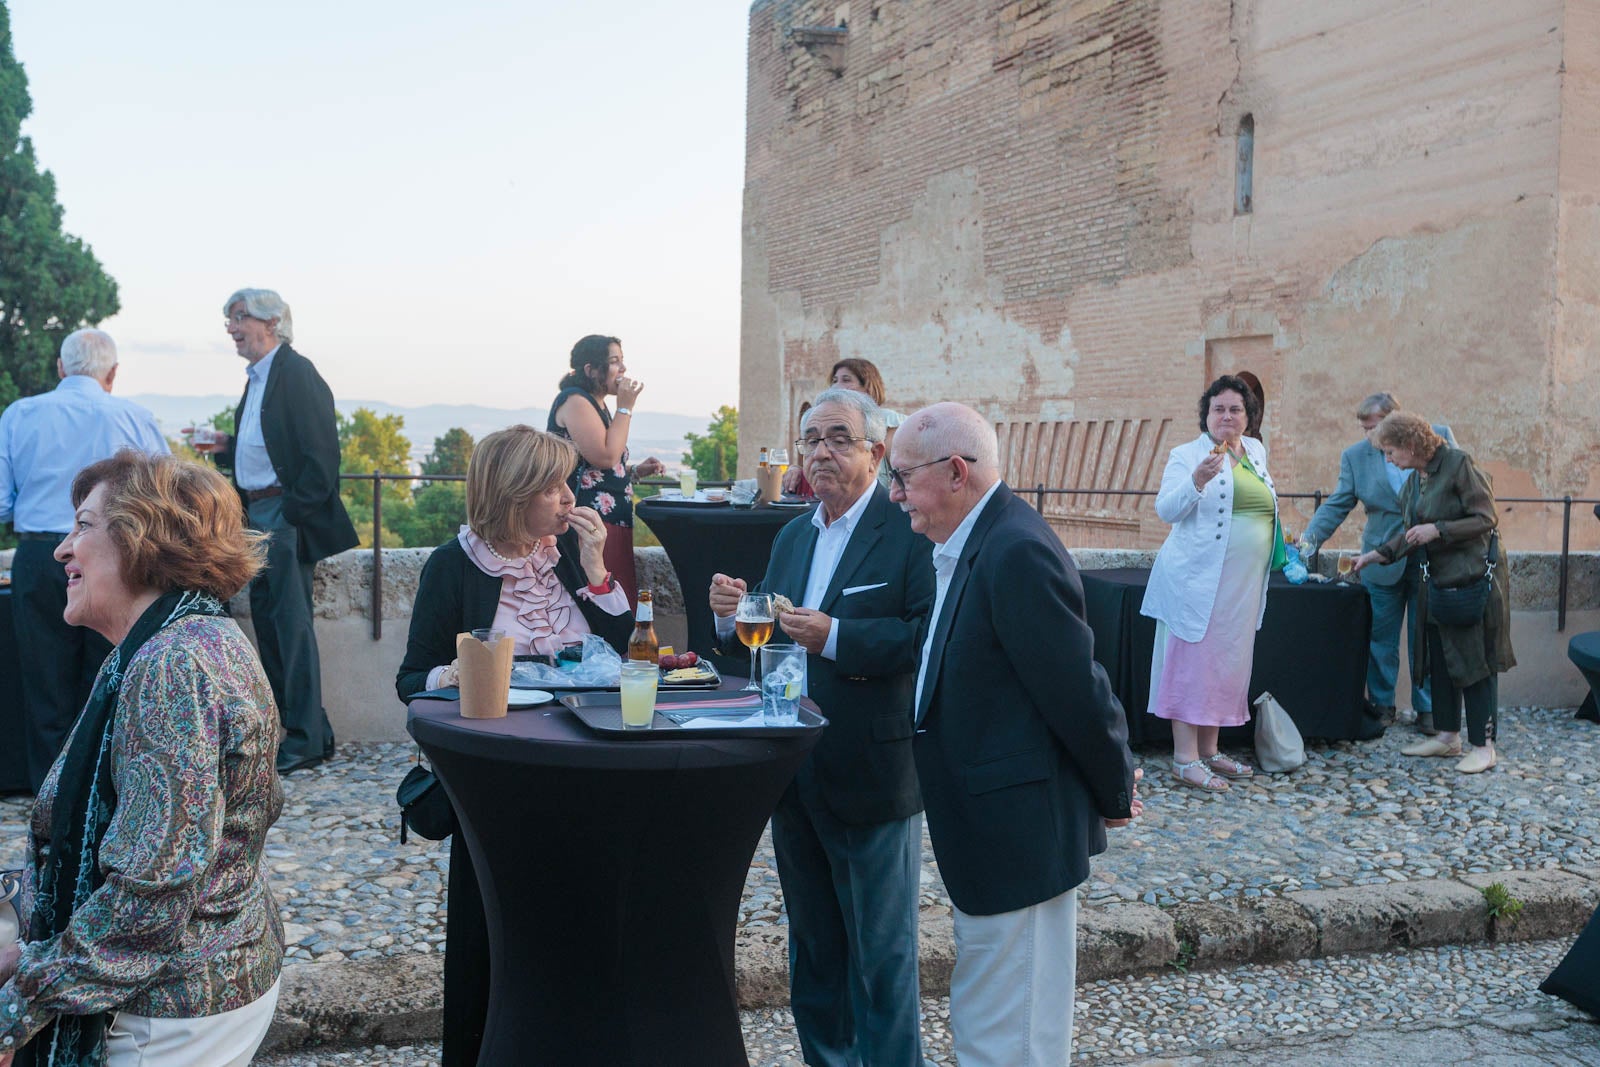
x=291, y=764
x=1425, y=724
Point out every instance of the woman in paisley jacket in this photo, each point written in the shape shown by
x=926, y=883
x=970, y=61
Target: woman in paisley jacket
x=530, y=563
x=150, y=934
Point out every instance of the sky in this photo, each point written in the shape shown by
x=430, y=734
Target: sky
x=447, y=195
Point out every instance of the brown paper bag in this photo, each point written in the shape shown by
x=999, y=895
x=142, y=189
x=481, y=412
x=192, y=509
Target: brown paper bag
x=769, y=481
x=485, y=673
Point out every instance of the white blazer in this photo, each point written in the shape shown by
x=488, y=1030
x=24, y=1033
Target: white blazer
x=1188, y=569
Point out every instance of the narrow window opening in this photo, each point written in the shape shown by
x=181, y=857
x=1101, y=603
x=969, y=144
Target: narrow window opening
x=1243, y=193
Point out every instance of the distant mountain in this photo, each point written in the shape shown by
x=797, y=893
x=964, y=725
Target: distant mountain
x=653, y=433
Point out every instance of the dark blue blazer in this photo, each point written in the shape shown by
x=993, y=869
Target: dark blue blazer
x=1021, y=746
x=863, y=764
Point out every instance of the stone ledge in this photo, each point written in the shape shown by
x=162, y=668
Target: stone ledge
x=397, y=999
x=1268, y=928
x=1554, y=903
x=1398, y=915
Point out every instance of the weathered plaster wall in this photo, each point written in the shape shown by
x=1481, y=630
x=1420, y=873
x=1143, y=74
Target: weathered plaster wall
x=1029, y=206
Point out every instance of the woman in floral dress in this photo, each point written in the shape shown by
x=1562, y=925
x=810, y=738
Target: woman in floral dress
x=603, y=480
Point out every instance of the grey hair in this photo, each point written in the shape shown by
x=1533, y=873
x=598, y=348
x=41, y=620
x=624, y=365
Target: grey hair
x=90, y=352
x=266, y=305
x=873, y=424
x=951, y=429
x=1377, y=404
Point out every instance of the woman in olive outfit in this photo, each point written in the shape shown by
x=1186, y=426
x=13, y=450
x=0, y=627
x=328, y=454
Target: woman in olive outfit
x=1450, y=514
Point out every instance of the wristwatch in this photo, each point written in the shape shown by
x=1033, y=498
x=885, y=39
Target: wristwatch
x=624, y=411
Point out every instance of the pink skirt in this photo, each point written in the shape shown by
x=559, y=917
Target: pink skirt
x=1207, y=682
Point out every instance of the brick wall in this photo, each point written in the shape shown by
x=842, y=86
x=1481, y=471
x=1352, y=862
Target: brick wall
x=1029, y=206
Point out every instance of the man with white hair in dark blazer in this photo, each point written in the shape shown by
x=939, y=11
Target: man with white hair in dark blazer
x=284, y=455
x=1021, y=747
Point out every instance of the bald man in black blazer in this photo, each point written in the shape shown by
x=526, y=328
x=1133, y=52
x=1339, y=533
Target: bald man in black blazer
x=1021, y=745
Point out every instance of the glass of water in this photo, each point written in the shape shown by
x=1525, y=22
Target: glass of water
x=783, y=682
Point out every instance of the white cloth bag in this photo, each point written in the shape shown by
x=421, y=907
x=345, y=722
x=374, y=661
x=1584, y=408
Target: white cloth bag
x=1279, y=746
x=10, y=921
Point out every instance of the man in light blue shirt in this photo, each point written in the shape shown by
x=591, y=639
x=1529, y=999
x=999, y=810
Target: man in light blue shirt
x=45, y=441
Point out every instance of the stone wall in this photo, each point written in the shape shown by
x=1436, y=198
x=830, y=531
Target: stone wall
x=1030, y=206
x=358, y=671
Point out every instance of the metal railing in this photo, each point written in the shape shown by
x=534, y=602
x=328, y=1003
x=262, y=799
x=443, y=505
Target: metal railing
x=1038, y=494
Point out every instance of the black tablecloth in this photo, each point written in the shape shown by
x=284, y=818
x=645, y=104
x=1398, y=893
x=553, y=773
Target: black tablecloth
x=13, y=749
x=701, y=541
x=1311, y=653
x=612, y=872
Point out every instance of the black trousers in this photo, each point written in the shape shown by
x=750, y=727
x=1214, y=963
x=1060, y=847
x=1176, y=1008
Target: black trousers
x=59, y=661
x=1481, y=697
x=280, y=609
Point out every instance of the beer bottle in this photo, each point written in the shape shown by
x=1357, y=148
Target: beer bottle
x=643, y=644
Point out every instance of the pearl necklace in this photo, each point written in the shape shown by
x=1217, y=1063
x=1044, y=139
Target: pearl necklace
x=502, y=559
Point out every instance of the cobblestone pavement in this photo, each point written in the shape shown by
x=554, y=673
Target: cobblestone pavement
x=1357, y=813
x=1425, y=1006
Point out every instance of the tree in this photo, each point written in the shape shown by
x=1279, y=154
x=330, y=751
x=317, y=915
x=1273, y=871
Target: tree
x=50, y=283
x=715, y=456
x=452, y=451
x=439, y=508
x=368, y=443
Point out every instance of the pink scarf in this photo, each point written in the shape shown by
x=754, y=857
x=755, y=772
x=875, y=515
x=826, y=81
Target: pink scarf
x=544, y=607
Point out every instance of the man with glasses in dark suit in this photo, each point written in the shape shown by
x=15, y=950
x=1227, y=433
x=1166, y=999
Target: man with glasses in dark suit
x=847, y=832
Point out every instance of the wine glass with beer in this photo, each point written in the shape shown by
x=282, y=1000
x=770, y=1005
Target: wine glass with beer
x=753, y=623
x=1347, y=566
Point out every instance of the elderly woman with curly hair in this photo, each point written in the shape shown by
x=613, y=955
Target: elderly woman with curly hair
x=1208, y=588
x=1448, y=512
x=150, y=935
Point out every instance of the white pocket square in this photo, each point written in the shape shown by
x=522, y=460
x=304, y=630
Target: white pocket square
x=862, y=588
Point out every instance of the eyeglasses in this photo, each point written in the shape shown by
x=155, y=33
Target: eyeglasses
x=836, y=443
x=238, y=318
x=898, y=477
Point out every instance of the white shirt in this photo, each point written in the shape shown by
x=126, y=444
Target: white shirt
x=252, y=467
x=945, y=557
x=831, y=541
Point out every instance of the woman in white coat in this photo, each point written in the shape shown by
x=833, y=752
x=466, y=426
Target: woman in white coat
x=1208, y=590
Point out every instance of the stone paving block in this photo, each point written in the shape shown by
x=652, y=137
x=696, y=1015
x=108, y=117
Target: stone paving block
x=761, y=961
x=761, y=967
x=1554, y=903
x=1258, y=930
x=1374, y=917
x=1126, y=939
x=1591, y=873
x=392, y=1000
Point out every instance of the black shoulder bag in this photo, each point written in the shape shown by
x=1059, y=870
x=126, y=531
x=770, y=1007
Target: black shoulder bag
x=1462, y=605
x=424, y=807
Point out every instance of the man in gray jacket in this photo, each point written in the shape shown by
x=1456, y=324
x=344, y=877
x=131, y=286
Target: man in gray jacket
x=1366, y=477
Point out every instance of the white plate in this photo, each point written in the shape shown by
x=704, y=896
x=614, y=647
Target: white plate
x=527, y=698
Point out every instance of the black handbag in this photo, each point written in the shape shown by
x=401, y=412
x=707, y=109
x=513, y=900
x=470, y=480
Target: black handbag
x=424, y=807
x=1462, y=605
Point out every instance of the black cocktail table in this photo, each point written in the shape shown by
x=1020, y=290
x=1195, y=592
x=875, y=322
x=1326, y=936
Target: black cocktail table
x=1311, y=653
x=611, y=873
x=700, y=541
x=13, y=744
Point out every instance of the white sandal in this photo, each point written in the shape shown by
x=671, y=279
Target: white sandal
x=1208, y=783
